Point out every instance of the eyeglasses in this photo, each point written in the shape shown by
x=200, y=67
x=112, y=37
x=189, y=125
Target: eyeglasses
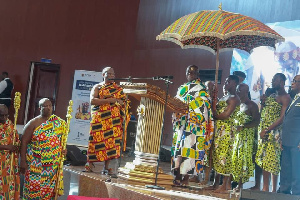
x=295, y=81
x=4, y=115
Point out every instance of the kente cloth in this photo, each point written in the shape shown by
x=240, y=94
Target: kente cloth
x=43, y=159
x=269, y=151
x=223, y=141
x=192, y=131
x=242, y=163
x=10, y=177
x=107, y=125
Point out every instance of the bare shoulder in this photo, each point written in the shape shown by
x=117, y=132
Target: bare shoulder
x=33, y=123
x=285, y=99
x=234, y=99
x=252, y=104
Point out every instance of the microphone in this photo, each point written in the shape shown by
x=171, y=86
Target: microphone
x=162, y=77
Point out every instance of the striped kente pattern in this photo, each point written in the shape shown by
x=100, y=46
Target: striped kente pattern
x=43, y=156
x=106, y=128
x=204, y=27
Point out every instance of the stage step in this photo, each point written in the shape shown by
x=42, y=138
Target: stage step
x=260, y=195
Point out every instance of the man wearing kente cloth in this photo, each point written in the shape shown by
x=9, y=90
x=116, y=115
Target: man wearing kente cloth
x=248, y=119
x=40, y=154
x=9, y=182
x=193, y=131
x=225, y=112
x=106, y=130
x=272, y=115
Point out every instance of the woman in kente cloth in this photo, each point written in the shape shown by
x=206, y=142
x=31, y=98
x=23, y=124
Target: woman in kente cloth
x=248, y=119
x=108, y=114
x=269, y=148
x=269, y=151
x=225, y=112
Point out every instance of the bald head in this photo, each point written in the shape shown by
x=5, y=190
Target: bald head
x=45, y=107
x=3, y=108
x=192, y=72
x=42, y=101
x=108, y=73
x=243, y=90
x=3, y=113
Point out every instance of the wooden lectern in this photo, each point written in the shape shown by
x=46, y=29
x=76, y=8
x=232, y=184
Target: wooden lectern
x=149, y=130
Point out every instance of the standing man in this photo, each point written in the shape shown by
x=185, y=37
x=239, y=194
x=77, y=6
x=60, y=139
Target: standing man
x=225, y=113
x=269, y=150
x=248, y=118
x=9, y=182
x=108, y=113
x=290, y=176
x=193, y=131
x=40, y=153
x=6, y=87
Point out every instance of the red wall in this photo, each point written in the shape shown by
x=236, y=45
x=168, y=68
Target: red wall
x=75, y=34
x=91, y=34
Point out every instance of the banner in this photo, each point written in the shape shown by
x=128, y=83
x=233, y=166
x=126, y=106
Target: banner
x=264, y=62
x=80, y=122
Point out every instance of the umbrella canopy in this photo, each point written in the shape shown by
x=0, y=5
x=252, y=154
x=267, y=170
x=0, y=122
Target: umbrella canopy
x=217, y=30
x=202, y=29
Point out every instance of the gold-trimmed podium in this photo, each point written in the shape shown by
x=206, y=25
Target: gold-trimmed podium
x=149, y=127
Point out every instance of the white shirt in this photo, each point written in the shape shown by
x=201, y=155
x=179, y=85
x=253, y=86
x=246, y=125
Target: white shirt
x=294, y=100
x=3, y=85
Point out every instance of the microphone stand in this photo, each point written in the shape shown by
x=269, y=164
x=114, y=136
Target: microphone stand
x=155, y=186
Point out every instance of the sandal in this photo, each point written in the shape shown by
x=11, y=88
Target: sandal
x=88, y=168
x=109, y=172
x=177, y=183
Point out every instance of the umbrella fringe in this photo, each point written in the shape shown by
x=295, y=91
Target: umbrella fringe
x=176, y=37
x=221, y=50
x=228, y=35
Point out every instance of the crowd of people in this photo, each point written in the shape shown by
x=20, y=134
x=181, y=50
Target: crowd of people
x=41, y=148
x=231, y=136
x=228, y=135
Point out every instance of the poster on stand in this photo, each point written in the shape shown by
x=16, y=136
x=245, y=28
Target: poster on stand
x=80, y=122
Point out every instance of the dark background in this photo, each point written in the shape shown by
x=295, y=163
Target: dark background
x=92, y=34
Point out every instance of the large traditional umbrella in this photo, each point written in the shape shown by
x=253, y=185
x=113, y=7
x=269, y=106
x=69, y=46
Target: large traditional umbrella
x=217, y=30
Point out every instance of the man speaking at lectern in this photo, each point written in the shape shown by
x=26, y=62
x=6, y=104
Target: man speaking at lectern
x=106, y=130
x=192, y=131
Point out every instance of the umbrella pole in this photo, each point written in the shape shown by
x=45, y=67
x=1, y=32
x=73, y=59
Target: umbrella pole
x=217, y=62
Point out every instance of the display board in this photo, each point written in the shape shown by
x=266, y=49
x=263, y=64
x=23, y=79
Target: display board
x=80, y=122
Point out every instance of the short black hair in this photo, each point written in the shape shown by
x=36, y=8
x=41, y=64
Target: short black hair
x=5, y=73
x=234, y=78
x=281, y=76
x=239, y=73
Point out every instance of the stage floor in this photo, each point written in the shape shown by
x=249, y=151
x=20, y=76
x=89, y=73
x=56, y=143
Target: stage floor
x=94, y=184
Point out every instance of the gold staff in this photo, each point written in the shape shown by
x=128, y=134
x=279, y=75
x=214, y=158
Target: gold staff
x=64, y=137
x=17, y=102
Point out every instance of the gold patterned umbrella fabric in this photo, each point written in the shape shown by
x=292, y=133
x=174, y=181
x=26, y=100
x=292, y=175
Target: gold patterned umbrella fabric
x=217, y=30
x=234, y=31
